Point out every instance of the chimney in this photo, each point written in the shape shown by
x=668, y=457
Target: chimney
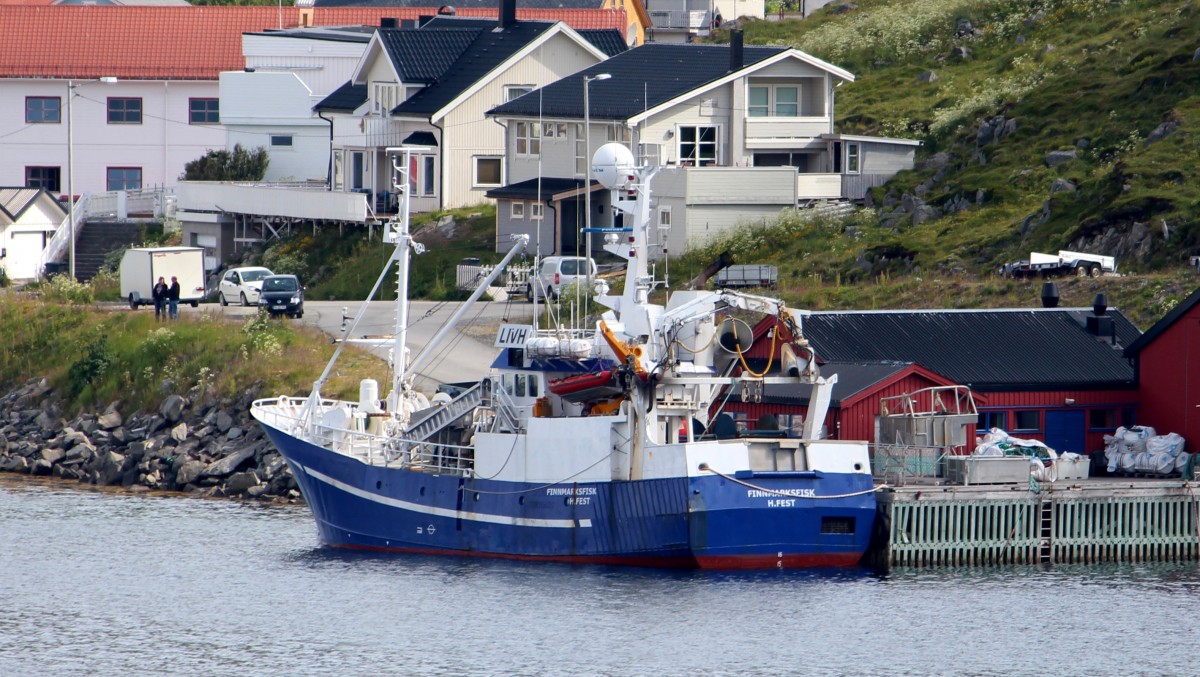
x=735, y=51
x=1049, y=295
x=1099, y=323
x=508, y=13
x=387, y=22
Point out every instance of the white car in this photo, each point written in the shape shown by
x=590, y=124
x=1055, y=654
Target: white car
x=242, y=284
x=557, y=272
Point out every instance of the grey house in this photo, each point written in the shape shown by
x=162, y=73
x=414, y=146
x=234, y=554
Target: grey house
x=740, y=133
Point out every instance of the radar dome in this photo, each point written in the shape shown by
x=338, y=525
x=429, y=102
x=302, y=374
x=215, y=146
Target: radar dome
x=613, y=166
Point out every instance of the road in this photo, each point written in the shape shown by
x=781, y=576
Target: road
x=466, y=353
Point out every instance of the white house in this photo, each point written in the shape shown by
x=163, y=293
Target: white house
x=28, y=218
x=740, y=134
x=430, y=86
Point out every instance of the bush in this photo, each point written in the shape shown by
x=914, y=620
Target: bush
x=4, y=281
x=85, y=372
x=63, y=289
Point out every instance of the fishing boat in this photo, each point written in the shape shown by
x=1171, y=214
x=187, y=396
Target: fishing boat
x=595, y=444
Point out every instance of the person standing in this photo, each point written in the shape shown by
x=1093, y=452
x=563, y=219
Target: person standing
x=173, y=297
x=159, y=294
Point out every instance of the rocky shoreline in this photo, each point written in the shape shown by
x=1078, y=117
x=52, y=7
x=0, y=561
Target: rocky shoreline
x=199, y=447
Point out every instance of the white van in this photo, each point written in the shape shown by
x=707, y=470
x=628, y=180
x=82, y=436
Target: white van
x=141, y=268
x=557, y=272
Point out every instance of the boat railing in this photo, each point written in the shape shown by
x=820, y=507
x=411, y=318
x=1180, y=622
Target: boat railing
x=508, y=416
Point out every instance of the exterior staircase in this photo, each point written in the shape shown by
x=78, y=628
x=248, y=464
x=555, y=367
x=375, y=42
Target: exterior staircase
x=432, y=420
x=96, y=239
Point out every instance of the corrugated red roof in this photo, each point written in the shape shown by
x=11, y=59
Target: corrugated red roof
x=184, y=43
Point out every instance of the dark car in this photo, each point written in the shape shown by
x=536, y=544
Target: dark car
x=282, y=295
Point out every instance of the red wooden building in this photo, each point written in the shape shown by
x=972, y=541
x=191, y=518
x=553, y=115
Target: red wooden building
x=1167, y=366
x=1054, y=374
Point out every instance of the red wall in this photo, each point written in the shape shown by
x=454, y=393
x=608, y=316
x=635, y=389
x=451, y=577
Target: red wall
x=1011, y=402
x=1169, y=380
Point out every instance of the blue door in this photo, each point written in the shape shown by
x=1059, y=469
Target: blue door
x=1065, y=430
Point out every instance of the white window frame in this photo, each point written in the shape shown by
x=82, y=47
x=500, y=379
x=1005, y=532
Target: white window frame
x=385, y=97
x=699, y=161
x=853, y=160
x=771, y=109
x=581, y=161
x=517, y=91
x=475, y=160
x=664, y=217
x=528, y=136
x=428, y=175
x=536, y=211
x=516, y=210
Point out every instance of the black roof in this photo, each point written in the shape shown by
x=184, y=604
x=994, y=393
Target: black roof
x=465, y=4
x=424, y=55
x=420, y=139
x=346, y=98
x=607, y=40
x=988, y=350
x=853, y=378
x=528, y=189
x=1182, y=308
x=642, y=78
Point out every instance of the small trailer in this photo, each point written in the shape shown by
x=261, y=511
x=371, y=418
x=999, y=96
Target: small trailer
x=754, y=275
x=1064, y=263
x=141, y=267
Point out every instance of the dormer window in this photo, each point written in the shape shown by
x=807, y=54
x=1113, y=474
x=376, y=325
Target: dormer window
x=386, y=97
x=782, y=101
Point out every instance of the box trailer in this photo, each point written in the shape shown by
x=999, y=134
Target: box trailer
x=754, y=275
x=141, y=267
x=1063, y=263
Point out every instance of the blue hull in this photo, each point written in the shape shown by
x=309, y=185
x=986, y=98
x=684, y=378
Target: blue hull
x=696, y=522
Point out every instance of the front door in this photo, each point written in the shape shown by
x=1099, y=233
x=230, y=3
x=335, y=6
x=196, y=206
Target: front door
x=1065, y=431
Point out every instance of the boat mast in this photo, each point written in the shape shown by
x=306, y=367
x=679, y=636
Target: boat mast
x=402, y=236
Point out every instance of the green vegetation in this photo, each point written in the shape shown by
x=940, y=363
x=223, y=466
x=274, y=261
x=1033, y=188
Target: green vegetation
x=223, y=165
x=94, y=357
x=1097, y=77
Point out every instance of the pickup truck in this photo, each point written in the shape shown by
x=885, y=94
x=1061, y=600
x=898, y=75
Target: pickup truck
x=748, y=276
x=1063, y=263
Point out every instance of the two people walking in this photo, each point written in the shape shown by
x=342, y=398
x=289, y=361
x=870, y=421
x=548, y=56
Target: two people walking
x=166, y=299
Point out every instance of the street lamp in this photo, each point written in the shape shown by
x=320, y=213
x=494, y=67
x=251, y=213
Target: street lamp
x=587, y=174
x=71, y=85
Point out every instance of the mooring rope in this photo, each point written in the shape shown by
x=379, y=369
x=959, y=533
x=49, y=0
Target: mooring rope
x=705, y=467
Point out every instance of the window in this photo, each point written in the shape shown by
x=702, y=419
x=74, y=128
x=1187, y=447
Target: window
x=529, y=138
x=1102, y=419
x=697, y=145
x=281, y=140
x=619, y=134
x=1030, y=419
x=664, y=217
x=852, y=158
x=773, y=101
x=580, y=152
x=123, y=111
x=516, y=91
x=535, y=211
x=124, y=178
x=204, y=111
x=992, y=419
x=553, y=130
x=1128, y=418
x=386, y=98
x=488, y=171
x=49, y=178
x=518, y=210
x=429, y=176
x=43, y=109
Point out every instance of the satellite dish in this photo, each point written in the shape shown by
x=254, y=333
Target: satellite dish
x=613, y=166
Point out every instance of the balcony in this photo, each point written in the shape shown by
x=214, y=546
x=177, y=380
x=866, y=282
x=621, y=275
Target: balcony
x=772, y=132
x=680, y=19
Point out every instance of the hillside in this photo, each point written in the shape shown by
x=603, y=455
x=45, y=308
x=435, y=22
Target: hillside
x=1045, y=124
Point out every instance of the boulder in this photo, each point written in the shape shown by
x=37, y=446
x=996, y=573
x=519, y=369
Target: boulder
x=223, y=421
x=230, y=463
x=1062, y=186
x=180, y=432
x=1060, y=157
x=1162, y=131
x=110, y=420
x=234, y=433
x=928, y=76
x=189, y=472
x=51, y=456
x=45, y=421
x=238, y=483
x=172, y=408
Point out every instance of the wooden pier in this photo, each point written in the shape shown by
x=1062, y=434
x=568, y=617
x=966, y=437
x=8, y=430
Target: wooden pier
x=1083, y=521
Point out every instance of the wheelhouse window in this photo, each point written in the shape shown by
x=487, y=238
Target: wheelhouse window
x=124, y=178
x=773, y=101
x=49, y=178
x=124, y=111
x=488, y=171
x=697, y=145
x=529, y=138
x=204, y=111
x=43, y=109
